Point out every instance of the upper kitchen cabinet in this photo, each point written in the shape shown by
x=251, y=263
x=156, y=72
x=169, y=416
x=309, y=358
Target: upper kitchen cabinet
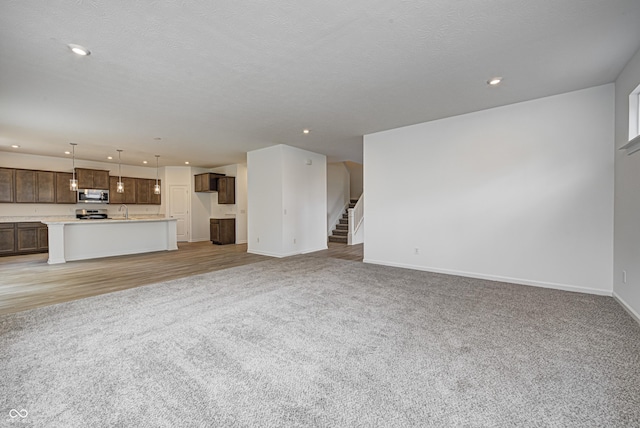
x=25, y=185
x=207, y=182
x=155, y=199
x=7, y=184
x=35, y=186
x=227, y=190
x=92, y=178
x=129, y=195
x=144, y=191
x=46, y=187
x=64, y=195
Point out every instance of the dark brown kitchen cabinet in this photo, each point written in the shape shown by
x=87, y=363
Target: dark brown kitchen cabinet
x=227, y=190
x=7, y=185
x=43, y=237
x=144, y=191
x=26, y=237
x=45, y=187
x=92, y=178
x=129, y=195
x=222, y=230
x=155, y=199
x=143, y=195
x=25, y=185
x=206, y=182
x=35, y=186
x=63, y=193
x=7, y=238
x=23, y=238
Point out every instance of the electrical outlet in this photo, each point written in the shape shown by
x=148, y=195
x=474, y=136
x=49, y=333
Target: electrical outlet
x=294, y=240
x=416, y=251
x=258, y=240
x=624, y=276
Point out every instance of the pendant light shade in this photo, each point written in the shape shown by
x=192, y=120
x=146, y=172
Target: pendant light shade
x=73, y=182
x=156, y=188
x=119, y=184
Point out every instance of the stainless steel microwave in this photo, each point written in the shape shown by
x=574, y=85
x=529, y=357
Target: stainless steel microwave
x=93, y=196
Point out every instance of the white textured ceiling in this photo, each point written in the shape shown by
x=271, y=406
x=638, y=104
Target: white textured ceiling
x=215, y=79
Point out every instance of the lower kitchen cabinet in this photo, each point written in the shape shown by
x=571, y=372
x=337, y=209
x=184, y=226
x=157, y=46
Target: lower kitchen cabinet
x=222, y=230
x=7, y=238
x=23, y=238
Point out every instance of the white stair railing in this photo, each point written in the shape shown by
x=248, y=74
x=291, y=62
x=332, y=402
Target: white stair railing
x=356, y=223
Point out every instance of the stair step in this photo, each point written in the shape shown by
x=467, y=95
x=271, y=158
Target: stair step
x=344, y=221
x=340, y=232
x=341, y=239
x=352, y=205
x=342, y=226
x=354, y=201
x=345, y=216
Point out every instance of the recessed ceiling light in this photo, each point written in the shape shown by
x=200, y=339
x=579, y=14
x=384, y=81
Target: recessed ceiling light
x=67, y=152
x=157, y=138
x=186, y=163
x=79, y=50
x=494, y=81
x=144, y=162
x=306, y=131
x=109, y=157
x=15, y=146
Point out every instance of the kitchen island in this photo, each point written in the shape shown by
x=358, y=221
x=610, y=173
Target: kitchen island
x=71, y=239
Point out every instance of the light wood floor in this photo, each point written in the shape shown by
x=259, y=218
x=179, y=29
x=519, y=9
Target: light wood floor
x=28, y=282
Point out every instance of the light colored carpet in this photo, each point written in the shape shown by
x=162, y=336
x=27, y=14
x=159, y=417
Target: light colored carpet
x=307, y=341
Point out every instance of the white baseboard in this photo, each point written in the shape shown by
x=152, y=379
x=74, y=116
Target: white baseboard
x=293, y=253
x=555, y=286
x=270, y=254
x=242, y=241
x=325, y=247
x=197, y=240
x=627, y=307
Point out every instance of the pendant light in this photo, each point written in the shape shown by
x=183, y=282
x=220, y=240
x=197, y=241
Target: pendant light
x=73, y=183
x=120, y=184
x=156, y=188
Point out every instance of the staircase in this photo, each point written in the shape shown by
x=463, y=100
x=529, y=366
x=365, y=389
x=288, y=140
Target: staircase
x=339, y=234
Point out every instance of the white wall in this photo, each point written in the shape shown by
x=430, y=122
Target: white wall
x=356, y=179
x=200, y=209
x=241, y=204
x=627, y=196
x=287, y=201
x=521, y=193
x=49, y=163
x=265, y=195
x=304, y=201
x=338, y=186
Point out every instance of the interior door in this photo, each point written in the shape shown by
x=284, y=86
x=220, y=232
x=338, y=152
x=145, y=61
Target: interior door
x=179, y=209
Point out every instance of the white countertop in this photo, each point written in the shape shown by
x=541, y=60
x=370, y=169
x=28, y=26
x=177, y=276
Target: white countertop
x=73, y=219
x=103, y=221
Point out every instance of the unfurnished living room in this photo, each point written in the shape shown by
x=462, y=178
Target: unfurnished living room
x=392, y=213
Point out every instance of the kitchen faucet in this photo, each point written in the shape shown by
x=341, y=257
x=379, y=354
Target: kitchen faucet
x=126, y=211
